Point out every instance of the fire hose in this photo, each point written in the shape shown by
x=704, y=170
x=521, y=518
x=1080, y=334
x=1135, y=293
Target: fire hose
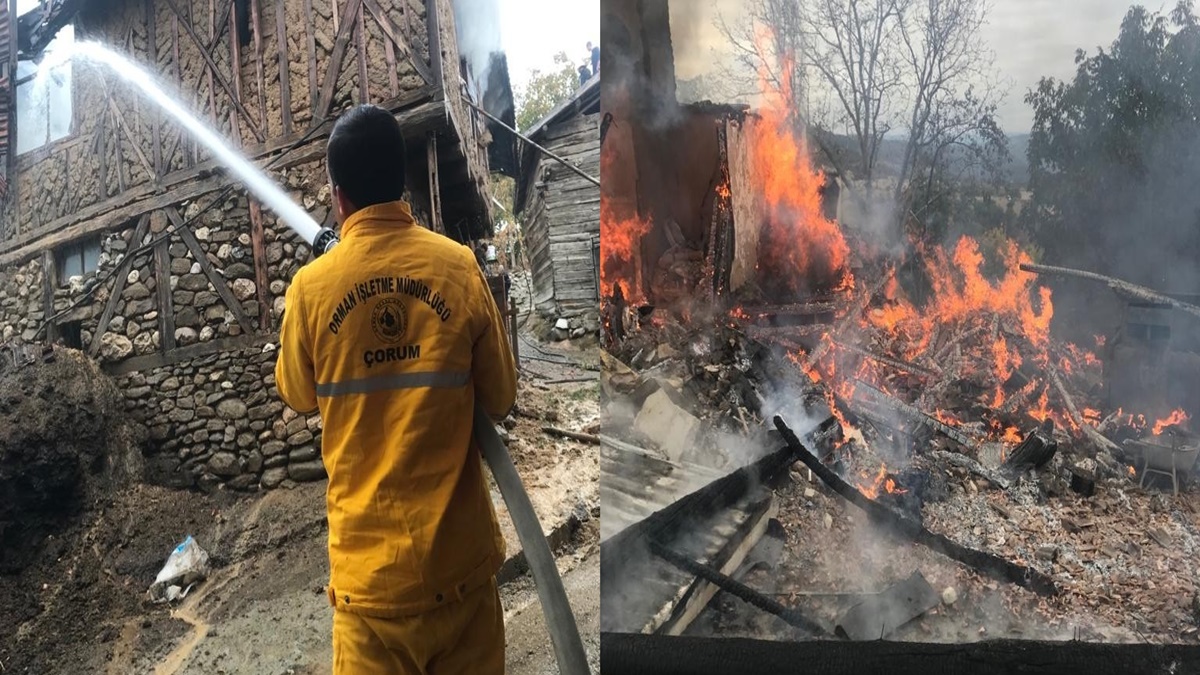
x=560, y=621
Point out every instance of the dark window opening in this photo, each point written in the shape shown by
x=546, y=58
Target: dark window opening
x=242, y=9
x=77, y=259
x=1149, y=332
x=71, y=334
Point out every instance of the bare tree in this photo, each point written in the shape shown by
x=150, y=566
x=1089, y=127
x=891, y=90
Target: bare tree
x=871, y=70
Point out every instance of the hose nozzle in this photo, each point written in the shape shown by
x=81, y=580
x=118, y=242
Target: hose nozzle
x=324, y=242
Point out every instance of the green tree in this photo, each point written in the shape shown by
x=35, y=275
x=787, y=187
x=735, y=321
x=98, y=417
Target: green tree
x=544, y=90
x=1113, y=154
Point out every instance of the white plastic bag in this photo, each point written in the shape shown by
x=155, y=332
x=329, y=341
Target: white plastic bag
x=187, y=564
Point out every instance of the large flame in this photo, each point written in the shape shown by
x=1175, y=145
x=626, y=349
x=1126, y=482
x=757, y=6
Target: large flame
x=798, y=247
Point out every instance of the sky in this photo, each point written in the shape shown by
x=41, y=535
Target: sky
x=1029, y=38
x=533, y=31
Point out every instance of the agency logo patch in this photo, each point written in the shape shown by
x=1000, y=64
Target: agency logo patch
x=389, y=320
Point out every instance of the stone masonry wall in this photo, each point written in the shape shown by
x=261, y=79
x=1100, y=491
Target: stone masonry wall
x=214, y=419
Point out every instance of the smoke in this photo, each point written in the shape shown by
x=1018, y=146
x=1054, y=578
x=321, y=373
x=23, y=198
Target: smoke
x=477, y=25
x=638, y=66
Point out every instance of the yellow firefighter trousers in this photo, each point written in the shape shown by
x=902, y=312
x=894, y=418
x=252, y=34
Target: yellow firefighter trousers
x=462, y=637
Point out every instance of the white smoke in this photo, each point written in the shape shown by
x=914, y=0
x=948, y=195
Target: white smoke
x=477, y=24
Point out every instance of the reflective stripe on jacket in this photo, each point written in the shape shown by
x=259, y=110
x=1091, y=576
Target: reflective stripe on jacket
x=392, y=335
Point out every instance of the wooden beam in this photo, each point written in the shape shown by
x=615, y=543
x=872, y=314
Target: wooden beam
x=122, y=277
x=182, y=354
x=260, y=266
x=435, y=43
x=137, y=149
x=360, y=36
x=435, y=195
x=218, y=282
x=102, y=153
x=396, y=37
x=212, y=65
x=256, y=17
x=389, y=53
x=310, y=38
x=156, y=116
x=235, y=70
x=162, y=286
x=334, y=65
x=285, y=87
x=49, y=282
x=733, y=555
x=418, y=110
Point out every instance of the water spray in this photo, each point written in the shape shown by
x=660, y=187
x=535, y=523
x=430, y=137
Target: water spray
x=560, y=621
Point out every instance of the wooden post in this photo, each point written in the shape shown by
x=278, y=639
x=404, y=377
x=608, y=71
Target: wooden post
x=285, y=87
x=162, y=284
x=260, y=265
x=155, y=116
x=435, y=197
x=435, y=43
x=516, y=345
x=49, y=281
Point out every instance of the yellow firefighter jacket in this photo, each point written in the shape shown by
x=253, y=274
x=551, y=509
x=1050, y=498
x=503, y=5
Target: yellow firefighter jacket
x=393, y=335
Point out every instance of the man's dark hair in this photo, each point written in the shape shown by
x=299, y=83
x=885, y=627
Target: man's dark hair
x=366, y=156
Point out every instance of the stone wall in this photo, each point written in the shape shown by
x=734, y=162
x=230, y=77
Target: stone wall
x=215, y=418
x=218, y=419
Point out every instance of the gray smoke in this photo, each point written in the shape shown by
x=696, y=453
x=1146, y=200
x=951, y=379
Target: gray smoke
x=477, y=24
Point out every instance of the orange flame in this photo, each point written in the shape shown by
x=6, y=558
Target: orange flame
x=619, y=242
x=1177, y=416
x=799, y=247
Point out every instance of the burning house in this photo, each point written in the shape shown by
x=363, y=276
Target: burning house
x=804, y=443
x=560, y=209
x=120, y=235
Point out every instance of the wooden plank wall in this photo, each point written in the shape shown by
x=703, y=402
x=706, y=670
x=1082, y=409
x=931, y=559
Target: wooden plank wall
x=564, y=218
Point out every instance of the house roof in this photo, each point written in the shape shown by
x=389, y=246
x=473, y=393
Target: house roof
x=585, y=100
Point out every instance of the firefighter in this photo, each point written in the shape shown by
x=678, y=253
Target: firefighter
x=393, y=336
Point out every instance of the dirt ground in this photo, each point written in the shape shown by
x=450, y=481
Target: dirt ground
x=81, y=606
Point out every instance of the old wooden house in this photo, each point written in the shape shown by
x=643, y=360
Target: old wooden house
x=120, y=235
x=560, y=210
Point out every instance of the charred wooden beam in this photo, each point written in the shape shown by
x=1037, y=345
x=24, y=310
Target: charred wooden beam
x=1037, y=448
x=218, y=282
x=903, y=525
x=887, y=360
x=122, y=277
x=1132, y=290
x=914, y=415
x=964, y=462
x=732, y=555
x=851, y=317
x=636, y=654
x=574, y=435
x=214, y=72
x=736, y=588
x=1102, y=444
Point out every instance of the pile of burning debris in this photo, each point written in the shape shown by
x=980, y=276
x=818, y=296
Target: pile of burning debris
x=962, y=425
